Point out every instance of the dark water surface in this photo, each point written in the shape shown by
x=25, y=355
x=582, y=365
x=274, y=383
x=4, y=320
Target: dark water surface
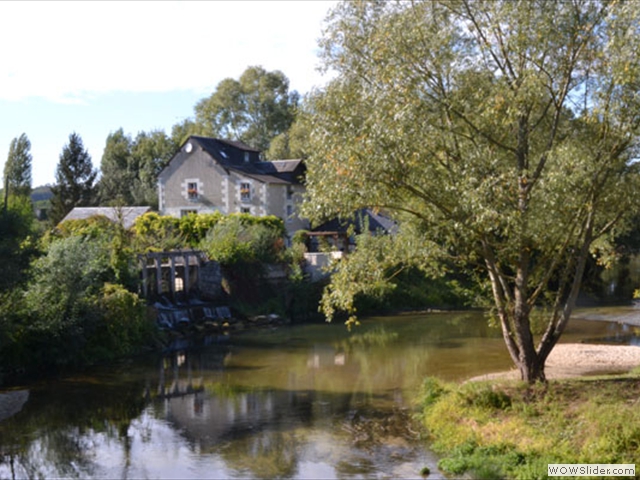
x=309, y=401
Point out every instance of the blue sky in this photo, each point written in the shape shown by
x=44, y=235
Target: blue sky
x=94, y=67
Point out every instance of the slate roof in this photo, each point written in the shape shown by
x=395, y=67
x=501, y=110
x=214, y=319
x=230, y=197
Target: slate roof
x=231, y=155
x=227, y=152
x=278, y=171
x=377, y=222
x=129, y=214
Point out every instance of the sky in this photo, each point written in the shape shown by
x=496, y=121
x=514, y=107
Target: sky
x=94, y=67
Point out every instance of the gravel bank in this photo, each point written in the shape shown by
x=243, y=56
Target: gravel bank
x=569, y=360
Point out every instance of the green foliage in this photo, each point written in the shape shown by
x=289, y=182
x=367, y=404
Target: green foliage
x=59, y=301
x=154, y=232
x=116, y=175
x=72, y=313
x=75, y=178
x=504, y=132
x=92, y=227
x=254, y=109
x=432, y=390
x=130, y=167
x=294, y=143
x=483, y=396
x=513, y=431
x=17, y=242
x=17, y=168
x=241, y=238
x=194, y=227
x=373, y=268
x=123, y=325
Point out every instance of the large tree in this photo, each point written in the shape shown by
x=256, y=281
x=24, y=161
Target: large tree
x=17, y=169
x=116, y=172
x=502, y=134
x=254, y=109
x=75, y=179
x=130, y=167
x=151, y=152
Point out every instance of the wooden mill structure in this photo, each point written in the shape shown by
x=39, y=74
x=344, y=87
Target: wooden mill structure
x=173, y=273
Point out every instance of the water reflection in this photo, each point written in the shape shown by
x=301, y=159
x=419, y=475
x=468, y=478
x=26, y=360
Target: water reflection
x=312, y=401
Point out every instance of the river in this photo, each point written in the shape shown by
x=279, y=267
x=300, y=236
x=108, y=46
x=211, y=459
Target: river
x=306, y=401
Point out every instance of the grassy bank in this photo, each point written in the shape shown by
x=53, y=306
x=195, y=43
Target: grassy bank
x=507, y=430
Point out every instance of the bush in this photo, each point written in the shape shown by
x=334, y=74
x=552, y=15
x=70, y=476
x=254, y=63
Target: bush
x=238, y=240
x=153, y=232
x=194, y=227
x=122, y=327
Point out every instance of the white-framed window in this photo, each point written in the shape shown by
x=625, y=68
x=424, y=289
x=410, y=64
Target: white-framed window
x=245, y=210
x=289, y=192
x=289, y=213
x=245, y=192
x=192, y=190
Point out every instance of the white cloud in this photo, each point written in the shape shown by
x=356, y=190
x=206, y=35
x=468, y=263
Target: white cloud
x=70, y=51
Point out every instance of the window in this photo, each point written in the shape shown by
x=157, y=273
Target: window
x=289, y=192
x=289, y=212
x=246, y=157
x=184, y=213
x=245, y=191
x=245, y=210
x=192, y=190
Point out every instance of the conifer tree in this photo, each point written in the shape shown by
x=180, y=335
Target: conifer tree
x=75, y=179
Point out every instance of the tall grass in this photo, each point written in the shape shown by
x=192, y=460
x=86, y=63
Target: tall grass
x=511, y=430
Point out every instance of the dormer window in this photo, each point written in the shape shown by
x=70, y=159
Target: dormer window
x=192, y=190
x=245, y=192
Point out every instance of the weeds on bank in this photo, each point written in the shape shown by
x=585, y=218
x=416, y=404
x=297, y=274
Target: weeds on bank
x=511, y=430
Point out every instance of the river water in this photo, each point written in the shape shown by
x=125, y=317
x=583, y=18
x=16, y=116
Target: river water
x=307, y=401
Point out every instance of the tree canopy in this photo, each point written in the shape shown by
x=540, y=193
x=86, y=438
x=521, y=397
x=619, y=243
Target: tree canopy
x=75, y=179
x=130, y=167
x=253, y=109
x=17, y=169
x=503, y=135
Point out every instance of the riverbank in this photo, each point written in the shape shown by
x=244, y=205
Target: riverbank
x=496, y=426
x=571, y=360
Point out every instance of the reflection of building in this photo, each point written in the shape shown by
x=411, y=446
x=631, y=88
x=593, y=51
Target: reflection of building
x=12, y=402
x=325, y=356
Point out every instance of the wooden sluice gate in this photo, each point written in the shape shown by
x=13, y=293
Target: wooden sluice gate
x=184, y=287
x=172, y=274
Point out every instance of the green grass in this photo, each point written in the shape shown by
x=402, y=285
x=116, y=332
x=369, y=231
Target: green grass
x=510, y=430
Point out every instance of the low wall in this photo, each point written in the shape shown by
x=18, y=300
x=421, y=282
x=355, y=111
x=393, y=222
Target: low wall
x=316, y=264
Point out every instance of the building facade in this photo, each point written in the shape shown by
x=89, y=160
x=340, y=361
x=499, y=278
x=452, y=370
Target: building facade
x=208, y=175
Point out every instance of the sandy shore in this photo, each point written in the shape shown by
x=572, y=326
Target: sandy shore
x=577, y=359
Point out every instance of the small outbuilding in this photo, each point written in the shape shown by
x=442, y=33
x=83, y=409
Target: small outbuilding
x=127, y=215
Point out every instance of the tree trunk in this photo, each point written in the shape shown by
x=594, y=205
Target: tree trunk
x=532, y=369
x=519, y=341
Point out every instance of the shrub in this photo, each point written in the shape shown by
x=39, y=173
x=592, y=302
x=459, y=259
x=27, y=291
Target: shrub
x=238, y=240
x=153, y=232
x=122, y=327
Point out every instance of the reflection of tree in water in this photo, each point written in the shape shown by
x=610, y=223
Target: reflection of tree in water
x=55, y=434
x=374, y=434
x=376, y=337
x=266, y=454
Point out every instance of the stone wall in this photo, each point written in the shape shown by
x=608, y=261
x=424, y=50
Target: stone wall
x=210, y=281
